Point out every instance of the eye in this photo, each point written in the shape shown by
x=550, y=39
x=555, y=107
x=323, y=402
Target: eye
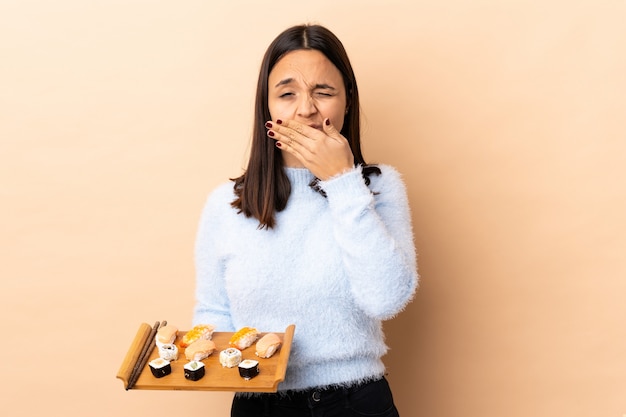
x=322, y=94
x=284, y=95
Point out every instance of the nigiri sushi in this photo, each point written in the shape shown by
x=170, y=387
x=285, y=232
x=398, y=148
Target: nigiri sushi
x=199, y=332
x=244, y=337
x=166, y=335
x=199, y=350
x=267, y=345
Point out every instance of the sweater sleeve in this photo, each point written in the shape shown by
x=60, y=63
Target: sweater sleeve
x=212, y=304
x=374, y=232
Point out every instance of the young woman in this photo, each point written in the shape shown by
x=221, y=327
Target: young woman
x=310, y=234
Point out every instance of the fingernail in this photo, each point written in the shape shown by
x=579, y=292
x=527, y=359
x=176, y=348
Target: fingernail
x=278, y=144
x=327, y=122
x=280, y=122
x=268, y=125
x=270, y=133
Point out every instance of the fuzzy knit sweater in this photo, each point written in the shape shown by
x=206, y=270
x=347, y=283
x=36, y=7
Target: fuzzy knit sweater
x=335, y=267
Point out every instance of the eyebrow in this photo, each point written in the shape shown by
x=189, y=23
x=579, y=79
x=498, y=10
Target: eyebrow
x=287, y=81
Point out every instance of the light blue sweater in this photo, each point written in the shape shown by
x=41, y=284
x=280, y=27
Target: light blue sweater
x=335, y=267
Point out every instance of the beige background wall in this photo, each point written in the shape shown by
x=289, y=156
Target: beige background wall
x=507, y=119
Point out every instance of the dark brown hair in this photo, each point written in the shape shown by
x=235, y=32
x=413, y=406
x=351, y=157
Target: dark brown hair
x=264, y=188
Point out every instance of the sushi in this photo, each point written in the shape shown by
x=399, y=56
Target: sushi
x=194, y=370
x=168, y=351
x=166, y=335
x=244, y=337
x=199, y=350
x=199, y=332
x=160, y=367
x=248, y=369
x=268, y=345
x=231, y=357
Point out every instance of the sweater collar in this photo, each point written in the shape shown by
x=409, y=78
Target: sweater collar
x=299, y=176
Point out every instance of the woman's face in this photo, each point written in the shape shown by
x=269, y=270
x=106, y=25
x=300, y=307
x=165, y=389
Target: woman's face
x=306, y=87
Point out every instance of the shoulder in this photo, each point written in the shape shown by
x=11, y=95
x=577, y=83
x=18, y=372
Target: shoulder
x=224, y=190
x=220, y=197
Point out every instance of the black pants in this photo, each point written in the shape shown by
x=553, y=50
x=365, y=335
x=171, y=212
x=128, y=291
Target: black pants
x=372, y=399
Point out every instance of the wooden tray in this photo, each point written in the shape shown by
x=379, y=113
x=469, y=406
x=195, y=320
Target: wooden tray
x=217, y=378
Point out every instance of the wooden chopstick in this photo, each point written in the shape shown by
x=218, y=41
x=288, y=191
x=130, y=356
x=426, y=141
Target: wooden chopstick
x=146, y=351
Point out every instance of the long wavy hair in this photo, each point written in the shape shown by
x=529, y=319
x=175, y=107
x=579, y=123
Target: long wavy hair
x=264, y=188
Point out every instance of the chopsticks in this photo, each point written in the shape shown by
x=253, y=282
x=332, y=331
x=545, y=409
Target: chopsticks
x=144, y=355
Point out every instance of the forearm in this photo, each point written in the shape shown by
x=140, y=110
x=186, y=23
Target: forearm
x=376, y=240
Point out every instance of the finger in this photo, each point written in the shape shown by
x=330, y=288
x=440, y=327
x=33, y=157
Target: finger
x=283, y=141
x=288, y=137
x=286, y=126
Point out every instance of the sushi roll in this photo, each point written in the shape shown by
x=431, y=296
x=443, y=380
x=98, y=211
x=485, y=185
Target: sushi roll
x=199, y=350
x=168, y=351
x=160, y=367
x=248, y=369
x=267, y=345
x=231, y=357
x=199, y=332
x=194, y=370
x=244, y=337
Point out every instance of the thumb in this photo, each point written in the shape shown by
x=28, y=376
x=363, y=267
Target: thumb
x=330, y=129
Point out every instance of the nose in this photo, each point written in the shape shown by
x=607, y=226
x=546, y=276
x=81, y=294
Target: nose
x=306, y=106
